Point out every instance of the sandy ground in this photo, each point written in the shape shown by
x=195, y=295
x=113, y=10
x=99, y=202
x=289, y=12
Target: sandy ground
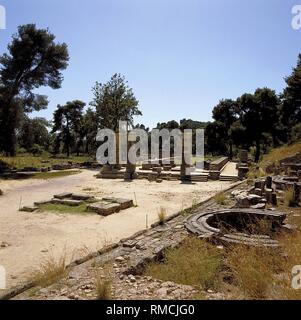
x=34, y=237
x=230, y=169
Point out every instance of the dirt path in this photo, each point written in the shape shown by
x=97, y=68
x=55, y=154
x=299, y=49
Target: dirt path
x=33, y=237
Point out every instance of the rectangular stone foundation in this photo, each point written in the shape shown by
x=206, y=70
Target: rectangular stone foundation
x=104, y=208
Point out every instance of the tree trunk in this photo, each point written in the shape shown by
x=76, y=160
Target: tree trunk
x=257, y=154
x=231, y=150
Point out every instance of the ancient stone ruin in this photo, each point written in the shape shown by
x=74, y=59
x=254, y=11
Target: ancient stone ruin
x=104, y=207
x=266, y=191
x=238, y=226
x=167, y=169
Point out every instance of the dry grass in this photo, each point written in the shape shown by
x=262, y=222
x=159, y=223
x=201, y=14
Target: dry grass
x=291, y=244
x=255, y=172
x=251, y=269
x=103, y=283
x=162, y=215
x=50, y=271
x=221, y=199
x=276, y=155
x=195, y=263
x=265, y=273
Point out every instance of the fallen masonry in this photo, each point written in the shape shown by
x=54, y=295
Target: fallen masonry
x=104, y=207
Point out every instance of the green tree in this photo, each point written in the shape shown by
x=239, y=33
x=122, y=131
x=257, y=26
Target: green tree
x=33, y=60
x=67, y=123
x=225, y=113
x=215, y=143
x=34, y=131
x=89, y=131
x=259, y=115
x=291, y=100
x=115, y=101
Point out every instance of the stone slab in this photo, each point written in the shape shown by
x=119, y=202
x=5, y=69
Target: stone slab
x=124, y=203
x=29, y=209
x=63, y=195
x=71, y=203
x=104, y=208
x=82, y=197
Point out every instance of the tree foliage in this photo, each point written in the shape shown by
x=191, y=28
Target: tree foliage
x=33, y=60
x=68, y=123
x=114, y=101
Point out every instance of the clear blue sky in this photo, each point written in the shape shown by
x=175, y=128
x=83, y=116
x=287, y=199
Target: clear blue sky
x=180, y=56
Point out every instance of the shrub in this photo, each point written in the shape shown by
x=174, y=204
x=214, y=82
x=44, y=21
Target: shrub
x=36, y=150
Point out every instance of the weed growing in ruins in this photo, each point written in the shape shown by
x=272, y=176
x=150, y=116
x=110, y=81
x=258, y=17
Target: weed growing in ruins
x=103, y=283
x=221, y=199
x=162, y=215
x=50, y=271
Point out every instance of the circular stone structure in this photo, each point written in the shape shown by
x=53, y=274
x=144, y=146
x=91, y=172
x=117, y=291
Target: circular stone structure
x=237, y=226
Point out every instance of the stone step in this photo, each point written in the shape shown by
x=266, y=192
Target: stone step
x=228, y=178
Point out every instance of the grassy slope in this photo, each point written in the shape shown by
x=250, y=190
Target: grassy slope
x=280, y=153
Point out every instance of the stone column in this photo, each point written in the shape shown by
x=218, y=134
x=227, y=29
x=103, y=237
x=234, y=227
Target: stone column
x=268, y=182
x=130, y=172
x=185, y=167
x=117, y=166
x=296, y=193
